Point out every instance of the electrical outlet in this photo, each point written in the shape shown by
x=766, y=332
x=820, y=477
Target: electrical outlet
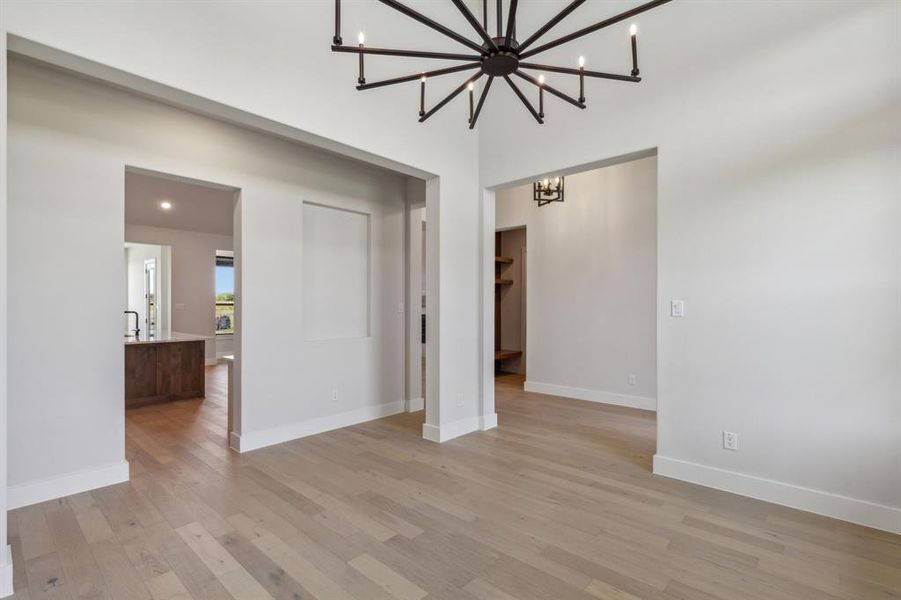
x=401, y=308
x=677, y=308
x=730, y=440
x=633, y=380
x=334, y=395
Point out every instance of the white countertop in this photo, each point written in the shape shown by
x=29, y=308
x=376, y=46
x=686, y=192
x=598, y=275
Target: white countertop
x=170, y=338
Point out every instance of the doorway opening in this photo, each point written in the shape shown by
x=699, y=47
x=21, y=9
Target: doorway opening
x=589, y=311
x=147, y=284
x=181, y=262
x=510, y=304
x=150, y=296
x=418, y=339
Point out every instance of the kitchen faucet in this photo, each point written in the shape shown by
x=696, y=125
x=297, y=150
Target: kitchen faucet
x=137, y=328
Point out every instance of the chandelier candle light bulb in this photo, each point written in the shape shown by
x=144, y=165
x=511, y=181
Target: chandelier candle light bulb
x=422, y=95
x=633, y=35
x=582, y=79
x=361, y=79
x=541, y=96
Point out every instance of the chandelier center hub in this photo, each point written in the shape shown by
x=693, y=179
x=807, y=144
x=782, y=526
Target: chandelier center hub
x=500, y=63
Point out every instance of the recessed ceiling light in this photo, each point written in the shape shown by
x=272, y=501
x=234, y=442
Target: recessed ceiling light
x=165, y=205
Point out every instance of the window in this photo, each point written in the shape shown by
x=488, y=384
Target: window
x=225, y=292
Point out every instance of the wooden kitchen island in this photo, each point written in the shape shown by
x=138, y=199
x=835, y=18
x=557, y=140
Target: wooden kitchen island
x=164, y=369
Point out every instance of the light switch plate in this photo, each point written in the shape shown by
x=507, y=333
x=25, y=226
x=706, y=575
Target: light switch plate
x=677, y=308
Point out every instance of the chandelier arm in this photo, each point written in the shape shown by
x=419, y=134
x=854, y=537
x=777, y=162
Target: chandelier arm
x=434, y=25
x=568, y=71
x=475, y=24
x=550, y=89
x=525, y=100
x=597, y=26
x=511, y=22
x=406, y=78
x=475, y=116
x=406, y=53
x=550, y=24
x=451, y=96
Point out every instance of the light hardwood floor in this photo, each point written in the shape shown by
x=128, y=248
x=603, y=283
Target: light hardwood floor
x=556, y=504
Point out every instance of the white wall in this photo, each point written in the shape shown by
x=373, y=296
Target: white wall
x=6, y=571
x=592, y=276
x=193, y=281
x=416, y=278
x=284, y=76
x=70, y=140
x=779, y=225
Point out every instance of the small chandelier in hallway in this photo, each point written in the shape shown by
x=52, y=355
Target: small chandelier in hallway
x=548, y=190
x=501, y=55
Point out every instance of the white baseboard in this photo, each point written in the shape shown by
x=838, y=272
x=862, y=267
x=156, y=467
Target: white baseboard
x=861, y=512
x=487, y=422
x=234, y=441
x=6, y=573
x=416, y=404
x=431, y=432
x=253, y=440
x=32, y=492
x=449, y=431
x=600, y=396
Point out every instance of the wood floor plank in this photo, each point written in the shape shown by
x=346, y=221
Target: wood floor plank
x=191, y=571
x=91, y=519
x=168, y=586
x=214, y=556
x=46, y=579
x=483, y=590
x=300, y=569
x=605, y=591
x=233, y=576
x=34, y=534
x=272, y=577
x=83, y=576
x=121, y=578
x=393, y=582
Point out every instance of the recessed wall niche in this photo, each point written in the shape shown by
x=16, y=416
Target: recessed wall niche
x=336, y=257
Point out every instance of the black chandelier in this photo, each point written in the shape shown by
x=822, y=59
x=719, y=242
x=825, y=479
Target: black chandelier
x=548, y=190
x=499, y=56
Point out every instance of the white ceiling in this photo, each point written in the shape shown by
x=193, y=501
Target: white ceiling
x=195, y=207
